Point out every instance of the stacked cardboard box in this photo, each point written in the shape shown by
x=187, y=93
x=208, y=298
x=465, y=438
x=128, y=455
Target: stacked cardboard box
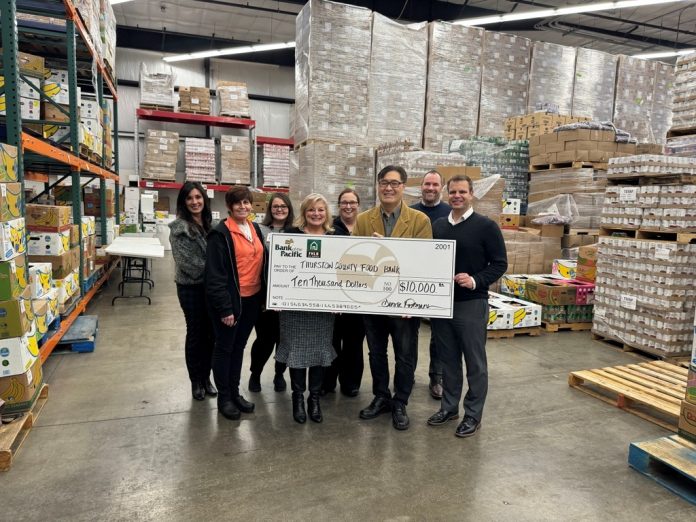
x=578, y=145
x=661, y=113
x=507, y=312
x=194, y=99
x=530, y=252
x=454, y=84
x=108, y=35
x=551, y=76
x=274, y=163
x=328, y=168
x=332, y=64
x=535, y=124
x=504, y=80
x=91, y=120
x=399, y=57
x=156, y=88
x=595, y=80
x=497, y=156
x=235, y=162
x=684, y=99
x=29, y=89
x=645, y=295
x=56, y=86
x=233, y=99
x=680, y=146
x=200, y=159
x=161, y=153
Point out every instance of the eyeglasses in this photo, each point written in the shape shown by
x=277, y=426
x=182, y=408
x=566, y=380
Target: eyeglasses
x=349, y=204
x=279, y=207
x=389, y=183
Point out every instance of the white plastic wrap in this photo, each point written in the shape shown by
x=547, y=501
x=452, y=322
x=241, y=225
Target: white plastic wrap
x=555, y=210
x=200, y=160
x=108, y=34
x=417, y=162
x=661, y=115
x=684, y=97
x=595, y=79
x=398, y=72
x=235, y=160
x=544, y=184
x=454, y=84
x=274, y=165
x=635, y=88
x=504, y=81
x=156, y=88
x=332, y=64
x=551, y=77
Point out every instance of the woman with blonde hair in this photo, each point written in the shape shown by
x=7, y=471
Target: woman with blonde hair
x=305, y=337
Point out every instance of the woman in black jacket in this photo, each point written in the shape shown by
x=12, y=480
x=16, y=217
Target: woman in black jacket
x=234, y=282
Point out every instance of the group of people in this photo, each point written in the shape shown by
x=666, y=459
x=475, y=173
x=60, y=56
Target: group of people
x=221, y=283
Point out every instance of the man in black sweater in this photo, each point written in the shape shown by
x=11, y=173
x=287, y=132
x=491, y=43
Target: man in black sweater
x=480, y=260
x=432, y=206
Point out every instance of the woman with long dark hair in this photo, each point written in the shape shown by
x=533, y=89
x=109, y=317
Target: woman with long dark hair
x=234, y=285
x=188, y=240
x=279, y=218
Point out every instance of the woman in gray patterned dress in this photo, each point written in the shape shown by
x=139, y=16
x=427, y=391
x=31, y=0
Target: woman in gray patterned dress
x=305, y=337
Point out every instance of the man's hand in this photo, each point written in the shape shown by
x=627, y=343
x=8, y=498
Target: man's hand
x=228, y=321
x=465, y=280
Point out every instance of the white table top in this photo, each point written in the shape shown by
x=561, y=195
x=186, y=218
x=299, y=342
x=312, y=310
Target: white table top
x=130, y=248
x=137, y=239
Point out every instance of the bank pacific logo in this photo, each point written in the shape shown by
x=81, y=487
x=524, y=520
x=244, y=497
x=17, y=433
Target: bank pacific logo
x=314, y=248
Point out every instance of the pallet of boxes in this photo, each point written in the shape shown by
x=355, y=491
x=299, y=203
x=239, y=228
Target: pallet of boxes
x=25, y=295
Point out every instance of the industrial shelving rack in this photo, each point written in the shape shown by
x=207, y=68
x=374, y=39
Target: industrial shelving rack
x=38, y=159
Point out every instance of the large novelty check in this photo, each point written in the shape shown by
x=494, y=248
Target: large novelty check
x=385, y=276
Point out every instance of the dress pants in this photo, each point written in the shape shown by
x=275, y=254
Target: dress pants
x=347, y=367
x=198, y=347
x=229, y=348
x=464, y=334
x=435, y=367
x=267, y=337
x=404, y=334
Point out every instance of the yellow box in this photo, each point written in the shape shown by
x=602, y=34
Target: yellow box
x=12, y=239
x=88, y=226
x=42, y=317
x=21, y=391
x=40, y=279
x=10, y=195
x=8, y=163
x=52, y=217
x=16, y=356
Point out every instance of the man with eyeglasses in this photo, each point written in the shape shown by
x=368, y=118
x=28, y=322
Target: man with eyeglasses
x=432, y=206
x=392, y=218
x=481, y=259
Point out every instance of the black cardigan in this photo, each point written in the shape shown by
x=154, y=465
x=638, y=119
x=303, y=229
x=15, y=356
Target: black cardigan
x=221, y=278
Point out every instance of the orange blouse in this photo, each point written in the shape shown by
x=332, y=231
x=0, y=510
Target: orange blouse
x=249, y=256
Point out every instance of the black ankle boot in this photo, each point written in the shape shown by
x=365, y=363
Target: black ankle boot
x=314, y=407
x=209, y=388
x=298, y=409
x=197, y=390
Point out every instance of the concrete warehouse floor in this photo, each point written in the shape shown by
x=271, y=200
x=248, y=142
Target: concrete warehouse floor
x=121, y=439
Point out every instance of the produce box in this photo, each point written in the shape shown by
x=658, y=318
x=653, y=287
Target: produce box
x=579, y=313
x=14, y=321
x=687, y=421
x=524, y=313
x=12, y=278
x=554, y=314
x=12, y=239
x=51, y=218
x=549, y=292
x=88, y=226
x=21, y=391
x=63, y=264
x=40, y=279
x=49, y=243
x=499, y=316
x=16, y=356
x=8, y=163
x=566, y=268
x=42, y=315
x=10, y=194
x=587, y=263
x=67, y=286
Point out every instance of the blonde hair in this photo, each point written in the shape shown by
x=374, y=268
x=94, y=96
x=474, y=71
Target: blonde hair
x=310, y=200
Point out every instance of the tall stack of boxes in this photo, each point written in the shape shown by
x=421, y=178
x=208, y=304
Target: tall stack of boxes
x=194, y=99
x=535, y=124
x=235, y=160
x=161, y=154
x=108, y=35
x=156, y=88
x=199, y=154
x=91, y=119
x=29, y=97
x=274, y=165
x=233, y=99
x=56, y=87
x=551, y=76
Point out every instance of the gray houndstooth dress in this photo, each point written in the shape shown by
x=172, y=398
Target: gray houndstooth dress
x=305, y=339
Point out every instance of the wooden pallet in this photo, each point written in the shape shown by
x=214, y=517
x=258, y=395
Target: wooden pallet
x=12, y=435
x=669, y=461
x=651, y=390
x=533, y=331
x=674, y=133
x=659, y=354
x=187, y=111
x=581, y=232
x=651, y=234
x=573, y=327
x=151, y=107
x=569, y=165
x=240, y=116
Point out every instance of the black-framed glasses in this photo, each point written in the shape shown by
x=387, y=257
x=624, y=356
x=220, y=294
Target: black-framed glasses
x=279, y=207
x=389, y=183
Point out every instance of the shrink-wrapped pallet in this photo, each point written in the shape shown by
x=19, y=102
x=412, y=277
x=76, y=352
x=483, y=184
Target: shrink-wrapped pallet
x=274, y=165
x=595, y=78
x=635, y=87
x=161, y=152
x=108, y=35
x=235, y=160
x=544, y=184
x=454, y=84
x=328, y=168
x=194, y=99
x=551, y=77
x=332, y=64
x=398, y=72
x=504, y=81
x=200, y=159
x=156, y=88
x=233, y=99
x=661, y=115
x=684, y=94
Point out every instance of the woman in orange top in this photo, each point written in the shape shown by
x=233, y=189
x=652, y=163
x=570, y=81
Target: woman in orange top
x=234, y=284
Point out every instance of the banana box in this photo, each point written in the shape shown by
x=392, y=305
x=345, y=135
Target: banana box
x=14, y=318
x=514, y=284
x=499, y=316
x=42, y=317
x=13, y=279
x=524, y=314
x=62, y=265
x=21, y=391
x=16, y=355
x=49, y=243
x=89, y=227
x=52, y=301
x=8, y=163
x=67, y=286
x=40, y=279
x=50, y=218
x=9, y=201
x=56, y=87
x=512, y=206
x=566, y=268
x=12, y=239
x=550, y=291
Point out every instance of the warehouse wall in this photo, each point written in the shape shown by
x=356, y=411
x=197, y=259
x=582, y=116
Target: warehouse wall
x=272, y=118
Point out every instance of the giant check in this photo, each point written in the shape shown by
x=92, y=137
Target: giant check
x=387, y=276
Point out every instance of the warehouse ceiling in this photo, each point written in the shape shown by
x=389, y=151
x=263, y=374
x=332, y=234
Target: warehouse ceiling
x=177, y=26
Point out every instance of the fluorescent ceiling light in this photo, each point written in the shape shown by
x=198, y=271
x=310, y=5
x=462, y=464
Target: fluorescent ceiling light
x=561, y=11
x=229, y=51
x=664, y=54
